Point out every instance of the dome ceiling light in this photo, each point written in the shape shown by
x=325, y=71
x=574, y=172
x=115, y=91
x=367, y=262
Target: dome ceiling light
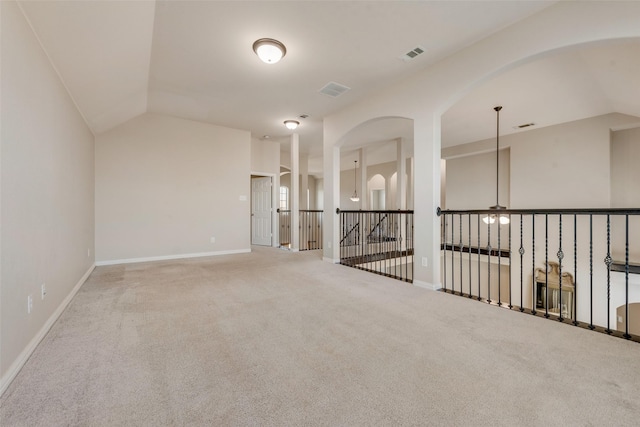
x=291, y=124
x=269, y=50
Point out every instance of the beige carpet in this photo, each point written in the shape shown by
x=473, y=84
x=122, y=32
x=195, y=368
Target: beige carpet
x=274, y=338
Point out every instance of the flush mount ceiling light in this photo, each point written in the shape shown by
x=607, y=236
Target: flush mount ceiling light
x=291, y=124
x=269, y=50
x=490, y=219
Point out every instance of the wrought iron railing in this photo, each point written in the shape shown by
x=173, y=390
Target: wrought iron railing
x=284, y=228
x=378, y=241
x=310, y=230
x=573, y=265
x=310, y=227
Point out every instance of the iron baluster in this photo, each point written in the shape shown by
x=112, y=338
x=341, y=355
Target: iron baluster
x=575, y=269
x=608, y=261
x=469, y=232
x=591, y=273
x=510, y=305
x=521, y=251
x=499, y=252
x=489, y=263
x=560, y=255
x=444, y=257
x=479, y=291
x=546, y=263
x=533, y=258
x=460, y=254
x=626, y=278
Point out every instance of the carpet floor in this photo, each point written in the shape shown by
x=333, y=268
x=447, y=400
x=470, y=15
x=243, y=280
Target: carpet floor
x=274, y=338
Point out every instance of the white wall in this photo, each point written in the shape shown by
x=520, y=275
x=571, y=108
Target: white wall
x=47, y=179
x=625, y=154
x=165, y=186
x=265, y=157
x=563, y=166
x=471, y=181
x=386, y=170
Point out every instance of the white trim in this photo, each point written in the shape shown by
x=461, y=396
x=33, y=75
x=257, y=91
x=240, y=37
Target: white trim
x=17, y=365
x=170, y=257
x=331, y=260
x=262, y=174
x=427, y=285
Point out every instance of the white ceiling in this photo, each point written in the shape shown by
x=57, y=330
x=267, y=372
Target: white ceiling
x=194, y=60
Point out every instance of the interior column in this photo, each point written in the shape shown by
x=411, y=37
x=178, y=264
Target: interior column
x=426, y=221
x=401, y=172
x=295, y=192
x=304, y=181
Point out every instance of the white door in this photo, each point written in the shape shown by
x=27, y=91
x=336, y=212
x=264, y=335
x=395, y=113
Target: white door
x=261, y=211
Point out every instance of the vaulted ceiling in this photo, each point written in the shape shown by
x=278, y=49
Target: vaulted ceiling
x=194, y=59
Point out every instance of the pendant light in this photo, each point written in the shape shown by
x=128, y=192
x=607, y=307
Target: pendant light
x=354, y=197
x=491, y=218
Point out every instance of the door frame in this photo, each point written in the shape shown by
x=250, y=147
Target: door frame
x=275, y=184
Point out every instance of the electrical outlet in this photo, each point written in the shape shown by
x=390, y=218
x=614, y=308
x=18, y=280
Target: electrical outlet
x=43, y=291
x=29, y=304
x=425, y=261
x=213, y=240
x=329, y=245
x=88, y=252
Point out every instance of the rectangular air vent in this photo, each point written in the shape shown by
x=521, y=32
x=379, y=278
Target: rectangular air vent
x=418, y=50
x=526, y=125
x=333, y=89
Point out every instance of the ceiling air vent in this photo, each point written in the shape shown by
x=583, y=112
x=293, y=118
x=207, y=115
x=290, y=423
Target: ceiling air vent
x=418, y=50
x=526, y=125
x=333, y=89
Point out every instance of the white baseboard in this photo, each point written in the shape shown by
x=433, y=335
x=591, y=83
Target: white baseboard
x=17, y=365
x=331, y=260
x=171, y=257
x=427, y=285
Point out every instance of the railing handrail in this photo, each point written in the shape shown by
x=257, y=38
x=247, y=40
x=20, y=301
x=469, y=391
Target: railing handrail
x=299, y=210
x=339, y=211
x=570, y=211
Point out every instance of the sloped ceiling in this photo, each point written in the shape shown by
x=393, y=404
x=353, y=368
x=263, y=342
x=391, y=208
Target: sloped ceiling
x=101, y=51
x=194, y=59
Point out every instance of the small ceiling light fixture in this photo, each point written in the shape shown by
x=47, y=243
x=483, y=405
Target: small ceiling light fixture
x=490, y=219
x=354, y=197
x=291, y=124
x=269, y=50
